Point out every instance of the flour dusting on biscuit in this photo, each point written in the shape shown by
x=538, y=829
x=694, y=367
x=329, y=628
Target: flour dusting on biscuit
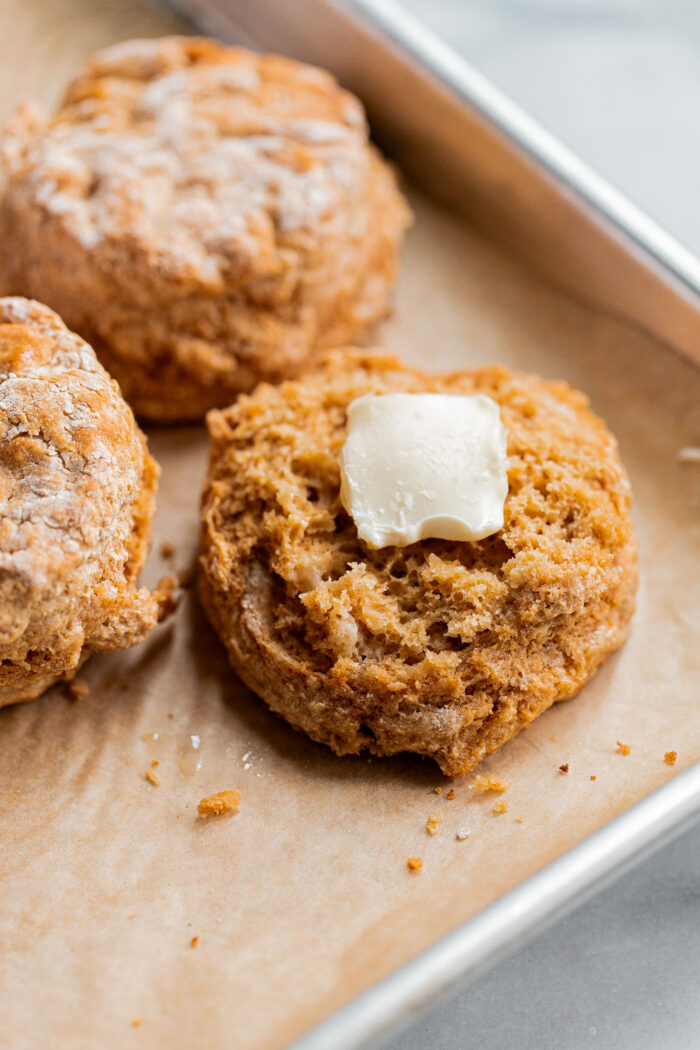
x=205, y=216
x=76, y=499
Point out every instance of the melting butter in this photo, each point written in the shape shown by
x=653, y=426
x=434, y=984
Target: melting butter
x=422, y=466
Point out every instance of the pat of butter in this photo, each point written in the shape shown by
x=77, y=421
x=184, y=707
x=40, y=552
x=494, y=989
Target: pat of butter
x=421, y=466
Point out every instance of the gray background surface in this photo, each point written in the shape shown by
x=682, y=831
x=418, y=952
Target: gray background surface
x=619, y=82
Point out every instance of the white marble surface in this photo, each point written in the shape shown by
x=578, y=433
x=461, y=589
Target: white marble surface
x=619, y=81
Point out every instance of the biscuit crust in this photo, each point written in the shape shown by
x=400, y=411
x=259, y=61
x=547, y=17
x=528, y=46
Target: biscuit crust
x=441, y=648
x=205, y=216
x=76, y=500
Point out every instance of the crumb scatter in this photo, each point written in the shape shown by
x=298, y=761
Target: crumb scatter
x=670, y=758
x=623, y=749
x=489, y=783
x=414, y=863
x=77, y=690
x=221, y=802
x=432, y=824
x=500, y=807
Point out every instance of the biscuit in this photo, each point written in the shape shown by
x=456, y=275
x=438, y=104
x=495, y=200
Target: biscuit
x=205, y=216
x=76, y=500
x=442, y=648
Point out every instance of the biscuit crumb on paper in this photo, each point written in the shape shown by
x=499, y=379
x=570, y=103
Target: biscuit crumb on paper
x=77, y=690
x=168, y=594
x=152, y=777
x=500, y=807
x=564, y=768
x=432, y=823
x=623, y=749
x=489, y=783
x=415, y=863
x=221, y=802
x=670, y=758
x=450, y=795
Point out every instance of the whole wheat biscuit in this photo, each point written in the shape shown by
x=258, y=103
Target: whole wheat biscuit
x=447, y=649
x=76, y=501
x=205, y=216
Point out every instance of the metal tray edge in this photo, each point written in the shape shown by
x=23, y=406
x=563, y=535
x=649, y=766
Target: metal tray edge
x=493, y=933
x=499, y=165
x=440, y=59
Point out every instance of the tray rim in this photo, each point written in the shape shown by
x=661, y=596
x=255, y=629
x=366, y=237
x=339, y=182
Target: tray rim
x=537, y=902
x=653, y=280
x=405, y=31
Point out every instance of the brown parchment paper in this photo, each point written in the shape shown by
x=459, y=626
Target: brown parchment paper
x=303, y=899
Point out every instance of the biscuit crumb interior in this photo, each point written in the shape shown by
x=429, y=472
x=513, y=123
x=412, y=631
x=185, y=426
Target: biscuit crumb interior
x=440, y=647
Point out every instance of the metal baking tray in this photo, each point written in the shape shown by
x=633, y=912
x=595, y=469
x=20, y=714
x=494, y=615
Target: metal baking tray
x=512, y=178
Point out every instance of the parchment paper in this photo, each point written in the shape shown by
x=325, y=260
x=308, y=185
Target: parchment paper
x=303, y=899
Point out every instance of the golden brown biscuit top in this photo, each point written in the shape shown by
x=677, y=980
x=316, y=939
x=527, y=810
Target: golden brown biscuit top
x=70, y=459
x=202, y=165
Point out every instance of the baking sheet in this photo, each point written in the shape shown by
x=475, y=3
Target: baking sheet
x=476, y=150
x=302, y=900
